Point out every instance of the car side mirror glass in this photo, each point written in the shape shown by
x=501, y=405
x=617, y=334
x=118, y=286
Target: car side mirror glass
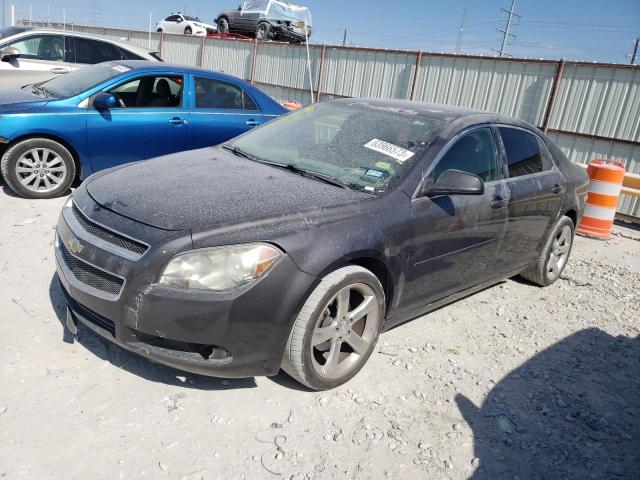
x=453, y=182
x=9, y=53
x=104, y=101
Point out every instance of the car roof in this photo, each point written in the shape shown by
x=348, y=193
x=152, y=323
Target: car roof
x=437, y=111
x=142, y=65
x=116, y=41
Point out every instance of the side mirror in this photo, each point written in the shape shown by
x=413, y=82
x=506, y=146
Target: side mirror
x=454, y=182
x=9, y=53
x=104, y=101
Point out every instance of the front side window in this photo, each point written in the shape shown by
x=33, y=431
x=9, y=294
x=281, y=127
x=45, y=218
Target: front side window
x=41, y=47
x=154, y=91
x=522, y=151
x=93, y=51
x=172, y=18
x=212, y=93
x=365, y=146
x=475, y=153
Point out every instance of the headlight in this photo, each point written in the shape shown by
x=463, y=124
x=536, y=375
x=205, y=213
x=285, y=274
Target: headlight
x=220, y=268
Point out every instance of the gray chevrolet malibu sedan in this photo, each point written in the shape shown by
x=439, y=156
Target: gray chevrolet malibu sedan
x=296, y=244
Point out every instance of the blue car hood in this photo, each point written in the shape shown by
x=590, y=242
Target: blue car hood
x=12, y=99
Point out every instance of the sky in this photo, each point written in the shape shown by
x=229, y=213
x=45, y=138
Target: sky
x=591, y=30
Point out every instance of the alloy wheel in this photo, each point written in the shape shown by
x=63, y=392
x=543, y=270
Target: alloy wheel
x=559, y=252
x=344, y=331
x=41, y=170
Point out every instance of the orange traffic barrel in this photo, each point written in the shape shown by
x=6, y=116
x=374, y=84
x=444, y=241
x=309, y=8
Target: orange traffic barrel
x=605, y=182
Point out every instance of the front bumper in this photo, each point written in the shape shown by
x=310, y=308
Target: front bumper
x=228, y=334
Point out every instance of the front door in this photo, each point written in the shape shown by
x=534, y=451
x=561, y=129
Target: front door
x=536, y=188
x=456, y=238
x=150, y=121
x=222, y=110
x=42, y=57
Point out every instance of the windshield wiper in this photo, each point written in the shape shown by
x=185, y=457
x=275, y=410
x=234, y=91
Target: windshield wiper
x=36, y=88
x=240, y=153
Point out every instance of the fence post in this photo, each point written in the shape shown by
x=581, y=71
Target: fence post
x=202, y=51
x=161, y=43
x=415, y=76
x=552, y=96
x=253, y=61
x=320, y=71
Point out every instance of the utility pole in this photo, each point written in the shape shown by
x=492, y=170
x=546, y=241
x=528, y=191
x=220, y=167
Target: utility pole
x=344, y=38
x=460, y=30
x=635, y=51
x=505, y=39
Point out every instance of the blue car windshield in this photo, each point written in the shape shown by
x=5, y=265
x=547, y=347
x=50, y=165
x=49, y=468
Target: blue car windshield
x=78, y=81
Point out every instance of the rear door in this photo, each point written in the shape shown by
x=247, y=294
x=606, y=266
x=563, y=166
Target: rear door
x=221, y=110
x=456, y=237
x=150, y=122
x=42, y=56
x=536, y=188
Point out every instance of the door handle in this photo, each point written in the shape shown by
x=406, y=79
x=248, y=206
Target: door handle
x=177, y=121
x=59, y=70
x=556, y=189
x=252, y=123
x=499, y=203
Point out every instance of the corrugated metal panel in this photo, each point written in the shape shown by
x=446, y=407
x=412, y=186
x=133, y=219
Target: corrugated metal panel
x=518, y=89
x=284, y=94
x=281, y=64
x=181, y=49
x=364, y=73
x=228, y=56
x=142, y=39
x=599, y=100
x=583, y=150
x=116, y=33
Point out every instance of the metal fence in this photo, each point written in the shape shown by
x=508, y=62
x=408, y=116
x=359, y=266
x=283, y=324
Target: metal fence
x=590, y=110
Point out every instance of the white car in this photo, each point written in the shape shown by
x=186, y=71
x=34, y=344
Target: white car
x=179, y=23
x=31, y=55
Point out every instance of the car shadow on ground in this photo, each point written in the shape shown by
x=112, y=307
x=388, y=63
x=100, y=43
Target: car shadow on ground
x=131, y=362
x=571, y=411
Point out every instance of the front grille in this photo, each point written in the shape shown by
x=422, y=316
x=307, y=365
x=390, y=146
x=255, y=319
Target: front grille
x=90, y=275
x=90, y=315
x=107, y=235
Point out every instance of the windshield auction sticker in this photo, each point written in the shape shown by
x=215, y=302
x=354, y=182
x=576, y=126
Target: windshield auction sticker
x=399, y=154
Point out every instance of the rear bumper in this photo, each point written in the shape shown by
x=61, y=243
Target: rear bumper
x=225, y=334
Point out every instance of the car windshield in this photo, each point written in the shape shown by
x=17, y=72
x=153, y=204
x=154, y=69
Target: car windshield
x=279, y=10
x=8, y=31
x=363, y=146
x=78, y=81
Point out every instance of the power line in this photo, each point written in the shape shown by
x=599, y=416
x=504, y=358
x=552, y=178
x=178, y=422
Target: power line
x=510, y=14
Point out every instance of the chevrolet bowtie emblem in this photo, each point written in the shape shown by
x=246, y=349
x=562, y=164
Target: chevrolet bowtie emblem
x=74, y=246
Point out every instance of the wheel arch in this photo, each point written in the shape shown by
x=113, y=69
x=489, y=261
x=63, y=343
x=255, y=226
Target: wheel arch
x=573, y=215
x=55, y=138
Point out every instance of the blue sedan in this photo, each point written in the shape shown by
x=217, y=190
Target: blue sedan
x=118, y=112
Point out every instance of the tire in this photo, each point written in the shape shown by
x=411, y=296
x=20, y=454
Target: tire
x=323, y=320
x=263, y=31
x=159, y=30
x=554, y=256
x=52, y=165
x=223, y=25
x=188, y=31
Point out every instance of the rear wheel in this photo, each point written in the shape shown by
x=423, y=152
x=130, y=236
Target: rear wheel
x=187, y=31
x=159, y=30
x=223, y=25
x=38, y=168
x=336, y=329
x=263, y=30
x=554, y=255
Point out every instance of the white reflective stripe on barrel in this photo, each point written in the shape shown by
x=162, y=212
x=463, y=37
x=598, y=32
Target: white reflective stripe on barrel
x=604, y=188
x=599, y=212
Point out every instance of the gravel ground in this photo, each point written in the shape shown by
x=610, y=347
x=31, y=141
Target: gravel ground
x=515, y=382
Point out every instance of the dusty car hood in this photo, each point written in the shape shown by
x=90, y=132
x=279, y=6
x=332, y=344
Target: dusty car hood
x=208, y=188
x=12, y=99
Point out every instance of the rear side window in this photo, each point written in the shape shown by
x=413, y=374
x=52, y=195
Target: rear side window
x=474, y=152
x=212, y=93
x=93, y=51
x=523, y=152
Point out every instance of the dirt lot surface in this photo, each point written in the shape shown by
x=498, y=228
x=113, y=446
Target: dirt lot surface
x=515, y=382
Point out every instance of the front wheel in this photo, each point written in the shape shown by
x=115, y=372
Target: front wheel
x=187, y=31
x=554, y=255
x=263, y=31
x=38, y=168
x=336, y=329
